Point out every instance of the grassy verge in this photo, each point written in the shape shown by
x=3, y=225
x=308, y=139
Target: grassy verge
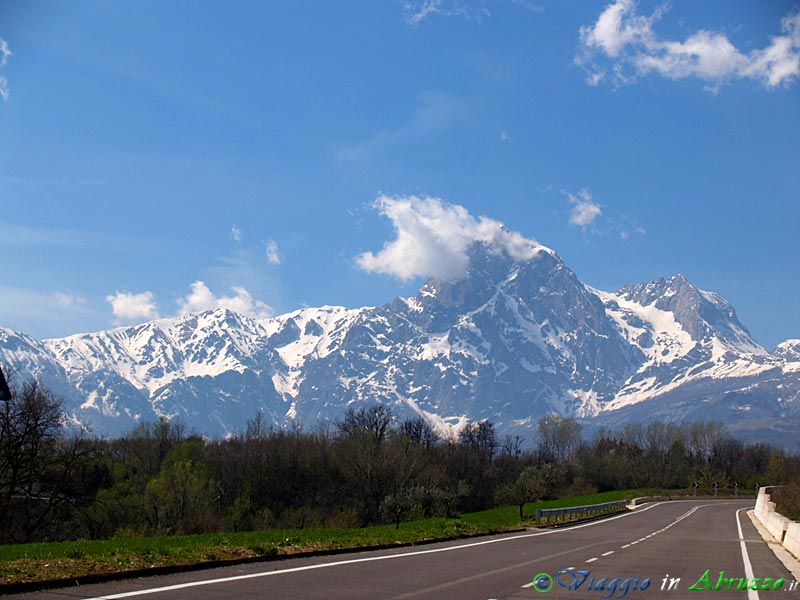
x=508, y=516
x=21, y=563
x=36, y=562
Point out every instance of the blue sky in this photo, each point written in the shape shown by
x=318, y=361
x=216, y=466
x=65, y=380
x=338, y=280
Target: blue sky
x=160, y=157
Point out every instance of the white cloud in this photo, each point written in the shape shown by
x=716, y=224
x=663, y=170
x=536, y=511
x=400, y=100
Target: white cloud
x=504, y=137
x=236, y=234
x=612, y=32
x=584, y=209
x=273, y=253
x=65, y=299
x=622, y=44
x=5, y=52
x=433, y=238
x=201, y=298
x=133, y=307
x=625, y=234
x=780, y=61
x=532, y=6
x=415, y=12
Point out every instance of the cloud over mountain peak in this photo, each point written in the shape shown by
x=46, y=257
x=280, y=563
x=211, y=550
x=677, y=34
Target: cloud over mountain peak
x=432, y=239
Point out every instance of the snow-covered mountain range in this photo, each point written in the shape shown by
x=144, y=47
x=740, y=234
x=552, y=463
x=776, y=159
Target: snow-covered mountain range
x=518, y=337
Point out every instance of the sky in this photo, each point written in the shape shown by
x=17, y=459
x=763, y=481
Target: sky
x=158, y=158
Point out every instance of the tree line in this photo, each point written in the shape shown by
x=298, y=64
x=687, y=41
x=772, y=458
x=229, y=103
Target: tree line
x=366, y=468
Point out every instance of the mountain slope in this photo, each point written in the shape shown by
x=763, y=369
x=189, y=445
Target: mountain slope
x=517, y=337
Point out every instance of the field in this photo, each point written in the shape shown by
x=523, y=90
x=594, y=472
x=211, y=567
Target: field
x=59, y=560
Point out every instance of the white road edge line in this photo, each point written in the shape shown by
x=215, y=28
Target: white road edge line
x=190, y=584
x=789, y=561
x=748, y=568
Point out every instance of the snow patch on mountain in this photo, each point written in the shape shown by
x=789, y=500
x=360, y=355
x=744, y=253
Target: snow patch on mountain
x=306, y=334
x=790, y=352
x=654, y=331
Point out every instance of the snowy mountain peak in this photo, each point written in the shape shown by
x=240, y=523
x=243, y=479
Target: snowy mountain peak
x=706, y=317
x=662, y=291
x=790, y=350
x=489, y=267
x=517, y=337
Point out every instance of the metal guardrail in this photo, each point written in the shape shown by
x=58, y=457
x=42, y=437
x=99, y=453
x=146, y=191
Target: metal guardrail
x=569, y=513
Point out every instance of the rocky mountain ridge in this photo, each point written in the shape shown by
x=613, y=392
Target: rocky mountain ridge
x=517, y=337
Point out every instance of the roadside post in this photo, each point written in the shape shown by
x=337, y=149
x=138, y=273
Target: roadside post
x=5, y=393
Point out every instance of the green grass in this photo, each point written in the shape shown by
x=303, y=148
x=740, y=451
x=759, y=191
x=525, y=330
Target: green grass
x=508, y=516
x=33, y=562
x=36, y=562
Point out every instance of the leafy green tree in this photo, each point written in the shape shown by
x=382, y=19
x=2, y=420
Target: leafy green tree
x=396, y=507
x=185, y=492
x=120, y=507
x=780, y=468
x=534, y=483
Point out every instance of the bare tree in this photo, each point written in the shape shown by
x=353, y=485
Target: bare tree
x=480, y=437
x=512, y=445
x=371, y=420
x=559, y=438
x=418, y=431
x=38, y=460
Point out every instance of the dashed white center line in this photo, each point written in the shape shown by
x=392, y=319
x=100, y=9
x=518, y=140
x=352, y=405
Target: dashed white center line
x=663, y=529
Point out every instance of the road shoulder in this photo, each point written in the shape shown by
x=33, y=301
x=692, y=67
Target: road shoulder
x=782, y=554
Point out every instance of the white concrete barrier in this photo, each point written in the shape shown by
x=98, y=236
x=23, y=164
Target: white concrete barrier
x=787, y=532
x=777, y=525
x=792, y=540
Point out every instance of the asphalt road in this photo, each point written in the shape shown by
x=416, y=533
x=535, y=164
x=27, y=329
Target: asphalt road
x=677, y=540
